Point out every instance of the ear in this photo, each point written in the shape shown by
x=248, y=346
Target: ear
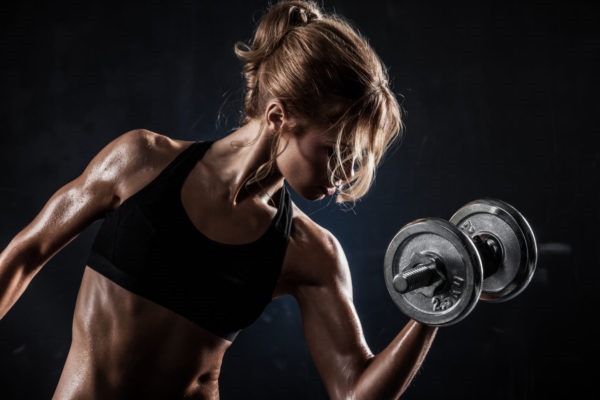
x=275, y=116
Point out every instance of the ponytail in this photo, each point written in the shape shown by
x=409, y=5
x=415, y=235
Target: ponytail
x=271, y=31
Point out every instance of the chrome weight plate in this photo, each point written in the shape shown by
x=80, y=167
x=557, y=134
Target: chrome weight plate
x=518, y=248
x=433, y=238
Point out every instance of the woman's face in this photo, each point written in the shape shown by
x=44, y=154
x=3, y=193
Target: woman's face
x=304, y=162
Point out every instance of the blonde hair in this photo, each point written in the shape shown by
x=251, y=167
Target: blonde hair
x=321, y=69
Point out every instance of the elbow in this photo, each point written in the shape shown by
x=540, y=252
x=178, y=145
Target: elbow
x=375, y=382
x=17, y=269
x=22, y=257
x=356, y=385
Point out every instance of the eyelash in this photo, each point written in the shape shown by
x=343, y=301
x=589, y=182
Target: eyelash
x=331, y=152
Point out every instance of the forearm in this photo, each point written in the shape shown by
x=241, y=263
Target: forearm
x=388, y=374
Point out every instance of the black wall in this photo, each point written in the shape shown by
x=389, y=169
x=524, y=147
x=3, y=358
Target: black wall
x=501, y=101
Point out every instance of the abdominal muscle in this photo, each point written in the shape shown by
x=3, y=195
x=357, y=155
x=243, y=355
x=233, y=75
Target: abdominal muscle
x=127, y=347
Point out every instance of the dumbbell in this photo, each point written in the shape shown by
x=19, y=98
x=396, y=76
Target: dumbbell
x=437, y=270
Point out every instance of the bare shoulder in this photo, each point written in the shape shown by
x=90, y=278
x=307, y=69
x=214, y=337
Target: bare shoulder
x=138, y=147
x=309, y=235
x=132, y=159
x=315, y=255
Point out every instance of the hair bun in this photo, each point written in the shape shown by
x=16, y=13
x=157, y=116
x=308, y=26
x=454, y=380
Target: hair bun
x=299, y=16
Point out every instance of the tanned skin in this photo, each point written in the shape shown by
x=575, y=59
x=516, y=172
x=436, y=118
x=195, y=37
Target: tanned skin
x=124, y=346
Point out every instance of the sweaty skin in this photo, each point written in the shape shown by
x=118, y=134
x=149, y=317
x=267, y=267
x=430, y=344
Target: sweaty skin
x=124, y=346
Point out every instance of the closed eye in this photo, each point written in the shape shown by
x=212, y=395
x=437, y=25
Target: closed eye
x=344, y=151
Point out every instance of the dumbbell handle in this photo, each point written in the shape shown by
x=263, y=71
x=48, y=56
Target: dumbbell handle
x=431, y=271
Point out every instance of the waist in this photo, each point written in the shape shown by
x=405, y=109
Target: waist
x=125, y=346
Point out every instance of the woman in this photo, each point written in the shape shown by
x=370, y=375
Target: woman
x=198, y=237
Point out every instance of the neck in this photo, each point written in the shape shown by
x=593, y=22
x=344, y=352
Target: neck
x=236, y=157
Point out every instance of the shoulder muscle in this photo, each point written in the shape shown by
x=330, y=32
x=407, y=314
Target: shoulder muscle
x=316, y=258
x=128, y=162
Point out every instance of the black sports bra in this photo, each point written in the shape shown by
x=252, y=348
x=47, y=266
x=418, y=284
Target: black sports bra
x=150, y=247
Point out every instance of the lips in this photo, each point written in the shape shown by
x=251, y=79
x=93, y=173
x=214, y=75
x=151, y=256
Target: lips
x=329, y=191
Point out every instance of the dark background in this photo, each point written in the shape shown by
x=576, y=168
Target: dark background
x=501, y=101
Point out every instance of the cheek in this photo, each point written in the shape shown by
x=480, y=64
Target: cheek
x=302, y=167
x=294, y=167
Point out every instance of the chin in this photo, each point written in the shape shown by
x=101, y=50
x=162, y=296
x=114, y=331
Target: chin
x=313, y=195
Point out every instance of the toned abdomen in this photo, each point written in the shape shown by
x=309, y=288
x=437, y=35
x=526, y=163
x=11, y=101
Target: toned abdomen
x=125, y=347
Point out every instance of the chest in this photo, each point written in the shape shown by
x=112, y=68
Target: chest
x=207, y=203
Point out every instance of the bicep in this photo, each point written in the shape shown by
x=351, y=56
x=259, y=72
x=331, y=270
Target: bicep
x=334, y=337
x=331, y=325
x=76, y=204
x=66, y=213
